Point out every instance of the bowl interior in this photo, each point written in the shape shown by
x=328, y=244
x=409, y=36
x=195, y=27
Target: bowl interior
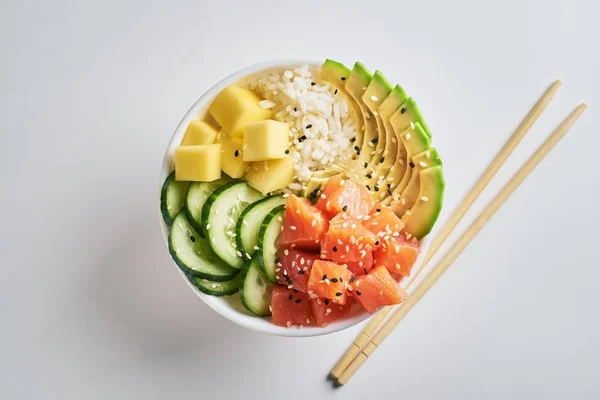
x=231, y=307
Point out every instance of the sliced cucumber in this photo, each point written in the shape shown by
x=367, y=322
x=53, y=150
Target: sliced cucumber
x=255, y=290
x=267, y=237
x=250, y=221
x=172, y=197
x=196, y=196
x=220, y=214
x=193, y=255
x=212, y=288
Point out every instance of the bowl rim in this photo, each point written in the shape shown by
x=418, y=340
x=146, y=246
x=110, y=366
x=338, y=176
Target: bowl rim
x=254, y=323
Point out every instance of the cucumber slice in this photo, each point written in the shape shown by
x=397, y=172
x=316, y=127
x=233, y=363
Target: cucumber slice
x=255, y=290
x=220, y=213
x=250, y=220
x=267, y=236
x=212, y=288
x=196, y=196
x=193, y=254
x=172, y=197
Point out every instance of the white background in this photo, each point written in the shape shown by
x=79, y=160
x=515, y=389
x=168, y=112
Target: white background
x=91, y=306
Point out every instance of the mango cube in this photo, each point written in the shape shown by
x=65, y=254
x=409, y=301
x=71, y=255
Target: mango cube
x=234, y=107
x=199, y=132
x=265, y=140
x=201, y=163
x=232, y=162
x=268, y=176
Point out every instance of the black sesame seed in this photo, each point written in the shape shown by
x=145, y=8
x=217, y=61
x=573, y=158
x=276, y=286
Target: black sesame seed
x=236, y=154
x=326, y=302
x=312, y=84
x=334, y=280
x=343, y=78
x=358, y=293
x=338, y=294
x=368, y=187
x=298, y=301
x=277, y=260
x=324, y=276
x=295, y=108
x=290, y=297
x=352, y=279
x=357, y=149
x=295, y=290
x=308, y=126
x=345, y=208
x=374, y=141
x=353, y=140
x=381, y=160
x=369, y=176
x=366, y=165
x=366, y=272
x=341, y=279
x=412, y=164
x=389, y=185
x=287, y=151
x=335, y=92
x=389, y=192
x=376, y=188
x=377, y=243
x=302, y=138
x=300, y=272
x=192, y=238
x=334, y=249
x=378, y=210
x=402, y=110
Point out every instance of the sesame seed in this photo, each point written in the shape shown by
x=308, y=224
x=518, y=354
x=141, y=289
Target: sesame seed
x=313, y=223
x=411, y=164
x=308, y=126
x=334, y=280
x=407, y=136
x=424, y=198
x=248, y=256
x=323, y=196
x=287, y=151
x=338, y=294
x=334, y=249
x=207, y=226
x=398, y=266
x=423, y=164
x=236, y=154
x=239, y=253
x=256, y=248
x=374, y=98
x=358, y=293
x=293, y=227
x=298, y=301
x=286, y=252
x=335, y=92
x=412, y=125
x=427, y=154
x=328, y=311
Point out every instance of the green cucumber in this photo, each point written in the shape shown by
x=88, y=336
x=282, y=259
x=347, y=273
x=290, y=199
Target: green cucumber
x=172, y=197
x=219, y=289
x=267, y=238
x=219, y=216
x=255, y=290
x=196, y=196
x=250, y=221
x=193, y=254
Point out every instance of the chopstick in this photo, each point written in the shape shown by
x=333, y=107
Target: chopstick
x=454, y=219
x=462, y=242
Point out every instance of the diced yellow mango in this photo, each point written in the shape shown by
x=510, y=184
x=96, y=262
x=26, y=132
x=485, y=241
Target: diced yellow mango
x=199, y=132
x=234, y=107
x=265, y=140
x=268, y=176
x=201, y=163
x=232, y=162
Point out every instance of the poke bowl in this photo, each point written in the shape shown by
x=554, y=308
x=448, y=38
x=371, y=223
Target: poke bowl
x=296, y=196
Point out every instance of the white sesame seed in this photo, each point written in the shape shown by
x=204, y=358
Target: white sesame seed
x=313, y=223
x=412, y=125
x=256, y=248
x=207, y=226
x=280, y=219
x=323, y=196
x=422, y=163
x=374, y=98
x=407, y=136
x=292, y=227
x=398, y=266
x=277, y=269
x=427, y=154
x=248, y=256
x=286, y=252
x=424, y=198
x=290, y=286
x=239, y=253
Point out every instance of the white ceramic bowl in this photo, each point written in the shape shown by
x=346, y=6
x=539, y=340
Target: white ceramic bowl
x=230, y=307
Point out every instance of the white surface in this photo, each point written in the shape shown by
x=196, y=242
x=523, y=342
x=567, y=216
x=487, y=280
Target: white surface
x=90, y=306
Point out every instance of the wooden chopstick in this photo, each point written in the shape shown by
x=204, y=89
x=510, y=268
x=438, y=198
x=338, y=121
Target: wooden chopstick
x=454, y=219
x=462, y=242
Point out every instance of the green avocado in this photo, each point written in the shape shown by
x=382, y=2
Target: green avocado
x=407, y=113
x=394, y=147
x=316, y=182
x=415, y=140
x=356, y=84
x=377, y=91
x=336, y=74
x=422, y=216
x=425, y=159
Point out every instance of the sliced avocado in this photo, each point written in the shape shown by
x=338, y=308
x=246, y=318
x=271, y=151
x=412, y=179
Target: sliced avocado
x=336, y=74
x=407, y=113
x=394, y=147
x=356, y=84
x=425, y=159
x=377, y=91
x=422, y=216
x=312, y=188
x=415, y=140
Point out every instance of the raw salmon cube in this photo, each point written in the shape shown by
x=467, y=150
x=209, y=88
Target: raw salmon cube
x=304, y=225
x=329, y=280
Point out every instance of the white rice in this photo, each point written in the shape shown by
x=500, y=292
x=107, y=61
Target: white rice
x=320, y=125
